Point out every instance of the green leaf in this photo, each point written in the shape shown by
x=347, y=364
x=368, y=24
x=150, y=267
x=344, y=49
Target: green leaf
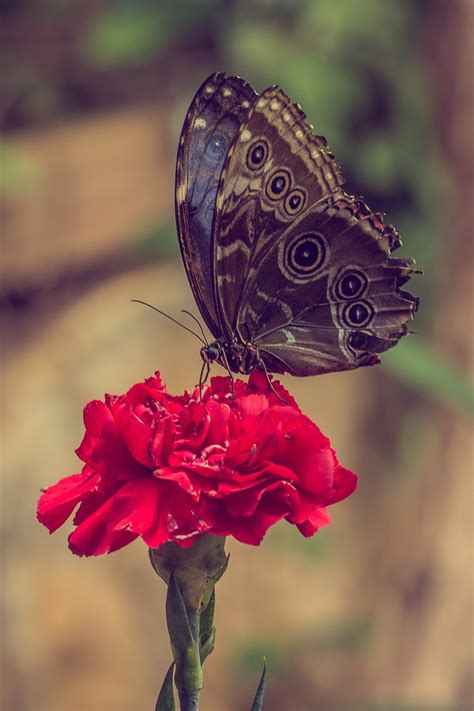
x=258, y=700
x=165, y=701
x=418, y=365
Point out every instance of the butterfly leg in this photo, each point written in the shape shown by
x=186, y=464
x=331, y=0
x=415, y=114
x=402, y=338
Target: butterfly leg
x=261, y=362
x=202, y=378
x=226, y=363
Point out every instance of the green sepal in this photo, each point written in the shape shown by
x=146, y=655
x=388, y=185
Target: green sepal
x=179, y=627
x=207, y=645
x=183, y=630
x=207, y=630
x=165, y=700
x=258, y=700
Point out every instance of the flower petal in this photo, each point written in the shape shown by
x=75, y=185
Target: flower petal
x=59, y=500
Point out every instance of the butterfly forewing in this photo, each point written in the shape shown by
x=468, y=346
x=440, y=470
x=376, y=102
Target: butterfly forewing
x=211, y=124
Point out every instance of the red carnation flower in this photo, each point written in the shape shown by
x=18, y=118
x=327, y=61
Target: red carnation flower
x=171, y=468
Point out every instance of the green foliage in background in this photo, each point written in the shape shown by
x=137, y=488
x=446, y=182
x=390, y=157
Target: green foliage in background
x=351, y=636
x=130, y=34
x=122, y=35
x=420, y=366
x=18, y=171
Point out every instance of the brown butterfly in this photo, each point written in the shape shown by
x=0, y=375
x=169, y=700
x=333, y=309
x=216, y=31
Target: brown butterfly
x=290, y=273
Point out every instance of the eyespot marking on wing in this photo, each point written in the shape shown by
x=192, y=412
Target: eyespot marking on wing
x=257, y=155
x=358, y=314
x=295, y=201
x=278, y=184
x=302, y=257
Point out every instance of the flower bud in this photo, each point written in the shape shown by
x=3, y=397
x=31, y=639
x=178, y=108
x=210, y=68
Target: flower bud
x=196, y=569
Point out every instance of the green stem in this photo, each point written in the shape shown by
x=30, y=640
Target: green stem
x=188, y=700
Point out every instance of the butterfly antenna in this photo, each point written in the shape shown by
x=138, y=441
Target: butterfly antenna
x=184, y=311
x=138, y=301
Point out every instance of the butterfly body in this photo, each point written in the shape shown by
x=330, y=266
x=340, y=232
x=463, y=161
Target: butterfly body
x=290, y=273
x=238, y=357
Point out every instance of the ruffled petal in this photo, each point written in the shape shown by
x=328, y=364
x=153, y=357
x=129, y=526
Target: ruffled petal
x=59, y=500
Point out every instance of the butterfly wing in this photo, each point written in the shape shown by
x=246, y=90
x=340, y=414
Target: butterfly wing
x=301, y=269
x=211, y=124
x=274, y=170
x=327, y=296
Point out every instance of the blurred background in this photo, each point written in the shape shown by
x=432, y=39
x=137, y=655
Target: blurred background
x=373, y=613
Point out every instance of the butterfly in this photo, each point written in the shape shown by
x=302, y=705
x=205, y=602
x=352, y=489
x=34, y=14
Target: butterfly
x=290, y=273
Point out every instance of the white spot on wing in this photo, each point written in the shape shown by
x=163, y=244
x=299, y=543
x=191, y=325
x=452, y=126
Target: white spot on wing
x=181, y=193
x=286, y=308
x=226, y=92
x=220, y=201
x=245, y=104
x=225, y=279
x=289, y=336
x=200, y=123
x=245, y=135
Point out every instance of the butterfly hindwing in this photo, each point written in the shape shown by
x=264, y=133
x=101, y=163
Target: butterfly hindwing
x=327, y=296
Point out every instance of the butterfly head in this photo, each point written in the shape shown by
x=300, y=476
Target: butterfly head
x=210, y=353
